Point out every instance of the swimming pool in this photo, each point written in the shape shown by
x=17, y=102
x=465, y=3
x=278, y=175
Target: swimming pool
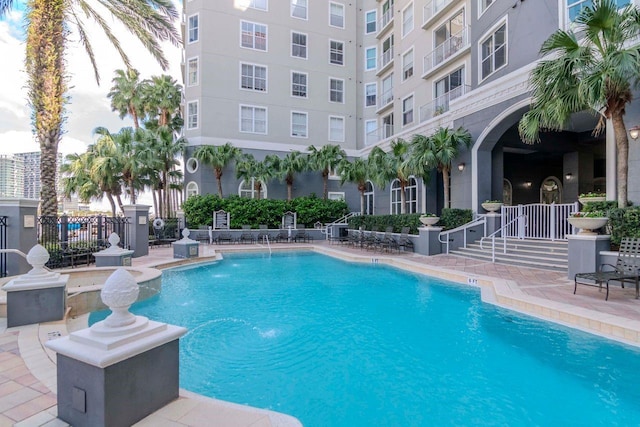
x=340, y=344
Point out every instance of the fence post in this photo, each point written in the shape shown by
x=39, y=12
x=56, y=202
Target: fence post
x=138, y=228
x=22, y=231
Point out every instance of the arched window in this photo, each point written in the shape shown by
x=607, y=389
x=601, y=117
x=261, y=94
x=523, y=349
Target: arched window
x=551, y=190
x=411, y=190
x=369, y=193
x=192, y=189
x=507, y=192
x=248, y=189
x=396, y=201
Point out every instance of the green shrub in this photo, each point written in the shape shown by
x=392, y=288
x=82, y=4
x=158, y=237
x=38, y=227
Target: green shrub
x=452, y=218
x=622, y=222
x=381, y=222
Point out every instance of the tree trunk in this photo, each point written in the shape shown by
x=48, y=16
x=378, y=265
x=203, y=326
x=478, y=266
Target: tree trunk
x=132, y=193
x=622, y=160
x=155, y=203
x=160, y=203
x=289, y=187
x=403, y=197
x=361, y=202
x=120, y=204
x=219, y=180
x=325, y=184
x=112, y=203
x=46, y=80
x=445, y=184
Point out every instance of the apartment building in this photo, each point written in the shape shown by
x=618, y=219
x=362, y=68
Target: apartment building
x=11, y=176
x=274, y=76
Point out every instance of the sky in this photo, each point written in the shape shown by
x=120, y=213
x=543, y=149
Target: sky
x=89, y=106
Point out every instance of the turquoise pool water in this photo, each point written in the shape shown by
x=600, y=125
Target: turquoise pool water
x=340, y=344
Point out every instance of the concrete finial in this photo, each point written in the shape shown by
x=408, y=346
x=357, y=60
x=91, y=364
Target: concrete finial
x=118, y=293
x=114, y=239
x=185, y=233
x=37, y=258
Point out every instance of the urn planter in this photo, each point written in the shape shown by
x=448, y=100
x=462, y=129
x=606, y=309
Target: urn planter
x=429, y=221
x=491, y=207
x=587, y=225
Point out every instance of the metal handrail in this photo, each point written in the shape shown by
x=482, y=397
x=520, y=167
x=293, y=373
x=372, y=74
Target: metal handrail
x=504, y=239
x=464, y=227
x=341, y=221
x=266, y=238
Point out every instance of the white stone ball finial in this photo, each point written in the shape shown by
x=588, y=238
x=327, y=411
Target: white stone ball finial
x=114, y=239
x=185, y=233
x=118, y=293
x=37, y=258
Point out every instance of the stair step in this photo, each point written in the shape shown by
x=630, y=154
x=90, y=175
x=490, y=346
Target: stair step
x=562, y=252
x=520, y=255
x=533, y=263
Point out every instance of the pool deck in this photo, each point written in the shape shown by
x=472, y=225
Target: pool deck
x=28, y=373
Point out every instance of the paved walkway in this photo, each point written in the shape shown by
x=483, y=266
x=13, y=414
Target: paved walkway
x=27, y=369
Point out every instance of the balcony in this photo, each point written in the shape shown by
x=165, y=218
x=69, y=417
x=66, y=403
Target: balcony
x=385, y=100
x=385, y=61
x=385, y=22
x=445, y=51
x=440, y=105
x=382, y=133
x=433, y=9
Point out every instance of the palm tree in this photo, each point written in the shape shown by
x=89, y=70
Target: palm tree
x=125, y=95
x=357, y=172
x=161, y=96
x=218, y=157
x=287, y=167
x=592, y=66
x=48, y=28
x=325, y=160
x=393, y=165
x=445, y=147
x=249, y=169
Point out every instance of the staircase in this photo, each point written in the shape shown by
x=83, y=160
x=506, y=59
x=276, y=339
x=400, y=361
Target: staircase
x=545, y=254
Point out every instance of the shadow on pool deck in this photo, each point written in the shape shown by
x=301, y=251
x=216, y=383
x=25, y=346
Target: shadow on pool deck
x=27, y=369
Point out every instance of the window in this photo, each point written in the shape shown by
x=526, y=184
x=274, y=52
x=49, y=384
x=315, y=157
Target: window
x=370, y=58
x=336, y=90
x=254, y=36
x=387, y=90
x=299, y=9
x=387, y=50
x=252, y=189
x=192, y=115
x=387, y=126
x=407, y=20
x=387, y=13
x=298, y=84
x=484, y=4
x=370, y=92
x=411, y=196
x=493, y=52
x=256, y=4
x=254, y=77
x=575, y=6
x=192, y=72
x=253, y=119
x=407, y=65
x=336, y=52
x=371, y=132
x=192, y=165
x=299, y=124
x=299, y=45
x=396, y=201
x=407, y=110
x=336, y=129
x=191, y=189
x=370, y=21
x=335, y=195
x=452, y=27
x=369, y=193
x=193, y=28
x=448, y=88
x=336, y=15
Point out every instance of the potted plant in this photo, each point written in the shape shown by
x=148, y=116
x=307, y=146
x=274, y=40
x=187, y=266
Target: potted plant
x=587, y=222
x=492, y=206
x=429, y=219
x=593, y=196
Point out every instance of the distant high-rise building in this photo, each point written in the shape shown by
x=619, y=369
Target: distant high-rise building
x=11, y=176
x=31, y=167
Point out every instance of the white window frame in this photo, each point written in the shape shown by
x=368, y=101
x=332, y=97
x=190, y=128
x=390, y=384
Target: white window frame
x=341, y=6
x=375, y=58
x=412, y=204
x=331, y=90
x=254, y=108
x=254, y=36
x=375, y=21
x=486, y=36
x=190, y=71
x=407, y=28
x=405, y=68
x=190, y=115
x=305, y=8
x=339, y=53
x=367, y=94
x=306, y=124
x=253, y=77
x=395, y=200
x=306, y=45
x=192, y=165
x=373, y=130
x=483, y=6
x=369, y=195
x=252, y=191
x=191, y=189
x=306, y=84
x=252, y=4
x=195, y=30
x=335, y=195
x=406, y=111
x=329, y=136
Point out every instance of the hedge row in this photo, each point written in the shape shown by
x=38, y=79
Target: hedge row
x=310, y=209
x=449, y=218
x=622, y=222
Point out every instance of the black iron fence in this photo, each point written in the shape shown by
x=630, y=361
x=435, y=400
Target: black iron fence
x=72, y=240
x=164, y=231
x=3, y=245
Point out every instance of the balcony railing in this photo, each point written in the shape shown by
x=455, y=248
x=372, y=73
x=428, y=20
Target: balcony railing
x=432, y=8
x=385, y=98
x=385, y=58
x=386, y=19
x=447, y=49
x=440, y=105
x=379, y=134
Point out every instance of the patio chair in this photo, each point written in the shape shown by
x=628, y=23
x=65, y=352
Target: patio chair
x=282, y=236
x=625, y=270
x=404, y=241
x=247, y=236
x=224, y=238
x=263, y=234
x=302, y=235
x=388, y=242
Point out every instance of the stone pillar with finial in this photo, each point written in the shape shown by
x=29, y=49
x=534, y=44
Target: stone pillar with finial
x=37, y=296
x=114, y=255
x=119, y=370
x=185, y=247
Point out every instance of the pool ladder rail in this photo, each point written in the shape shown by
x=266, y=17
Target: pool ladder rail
x=265, y=238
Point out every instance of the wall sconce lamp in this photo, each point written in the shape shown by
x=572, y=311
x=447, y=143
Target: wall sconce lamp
x=634, y=132
x=569, y=176
x=461, y=167
x=528, y=184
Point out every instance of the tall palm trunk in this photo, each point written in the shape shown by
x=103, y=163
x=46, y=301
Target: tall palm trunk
x=155, y=203
x=325, y=184
x=403, y=196
x=362, y=188
x=112, y=203
x=289, y=181
x=120, y=204
x=445, y=184
x=219, y=181
x=622, y=148
x=46, y=73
